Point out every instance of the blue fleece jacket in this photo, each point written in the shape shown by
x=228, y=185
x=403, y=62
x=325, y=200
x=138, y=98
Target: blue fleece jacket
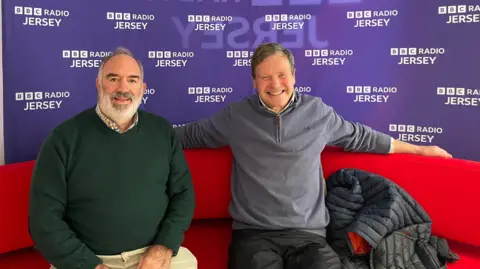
x=277, y=178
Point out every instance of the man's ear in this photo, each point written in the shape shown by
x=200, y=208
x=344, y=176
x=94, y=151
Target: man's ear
x=97, y=84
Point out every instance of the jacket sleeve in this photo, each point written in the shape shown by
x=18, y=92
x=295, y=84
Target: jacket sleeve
x=212, y=132
x=48, y=199
x=354, y=136
x=181, y=200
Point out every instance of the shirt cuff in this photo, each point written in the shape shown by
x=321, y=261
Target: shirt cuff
x=392, y=149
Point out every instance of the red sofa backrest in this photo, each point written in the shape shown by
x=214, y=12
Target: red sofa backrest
x=211, y=170
x=446, y=188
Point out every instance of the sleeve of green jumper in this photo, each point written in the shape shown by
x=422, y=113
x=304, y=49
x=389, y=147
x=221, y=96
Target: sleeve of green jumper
x=212, y=132
x=48, y=199
x=354, y=136
x=182, y=200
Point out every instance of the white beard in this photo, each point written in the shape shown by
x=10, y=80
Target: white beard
x=120, y=114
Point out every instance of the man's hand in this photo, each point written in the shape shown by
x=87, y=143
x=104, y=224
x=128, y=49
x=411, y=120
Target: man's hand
x=433, y=151
x=156, y=257
x=102, y=266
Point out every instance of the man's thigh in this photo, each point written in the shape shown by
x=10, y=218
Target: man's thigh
x=184, y=260
x=129, y=260
x=314, y=255
x=253, y=250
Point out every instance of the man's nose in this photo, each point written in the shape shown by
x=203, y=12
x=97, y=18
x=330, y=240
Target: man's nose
x=275, y=82
x=123, y=85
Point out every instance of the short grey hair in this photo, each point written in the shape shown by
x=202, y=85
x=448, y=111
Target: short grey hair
x=119, y=51
x=266, y=50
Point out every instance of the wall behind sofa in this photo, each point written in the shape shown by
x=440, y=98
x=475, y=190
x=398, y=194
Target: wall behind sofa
x=398, y=66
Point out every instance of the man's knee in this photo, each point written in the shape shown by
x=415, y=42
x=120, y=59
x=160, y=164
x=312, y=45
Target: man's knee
x=254, y=258
x=184, y=260
x=314, y=256
x=253, y=252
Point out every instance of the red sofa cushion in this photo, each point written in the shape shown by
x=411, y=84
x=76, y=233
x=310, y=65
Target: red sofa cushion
x=209, y=241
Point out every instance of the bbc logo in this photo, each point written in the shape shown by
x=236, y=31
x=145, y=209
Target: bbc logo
x=239, y=54
x=198, y=18
x=450, y=91
x=359, y=89
x=401, y=128
x=29, y=11
x=119, y=16
x=75, y=54
x=403, y=51
x=159, y=54
x=276, y=17
x=198, y=90
x=367, y=14
x=28, y=96
x=452, y=9
x=316, y=53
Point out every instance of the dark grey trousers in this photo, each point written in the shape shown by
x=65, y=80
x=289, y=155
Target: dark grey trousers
x=258, y=249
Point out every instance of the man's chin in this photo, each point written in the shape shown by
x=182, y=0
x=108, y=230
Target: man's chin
x=120, y=112
x=122, y=116
x=277, y=100
x=121, y=107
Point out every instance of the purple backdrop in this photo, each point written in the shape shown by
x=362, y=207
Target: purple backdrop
x=407, y=68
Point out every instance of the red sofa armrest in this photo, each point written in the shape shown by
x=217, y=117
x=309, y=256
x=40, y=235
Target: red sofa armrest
x=448, y=189
x=14, y=197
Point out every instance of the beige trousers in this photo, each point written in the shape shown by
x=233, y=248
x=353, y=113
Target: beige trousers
x=130, y=259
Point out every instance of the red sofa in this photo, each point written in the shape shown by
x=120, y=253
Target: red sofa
x=448, y=189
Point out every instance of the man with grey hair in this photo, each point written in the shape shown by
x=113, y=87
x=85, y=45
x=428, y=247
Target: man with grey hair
x=111, y=186
x=278, y=190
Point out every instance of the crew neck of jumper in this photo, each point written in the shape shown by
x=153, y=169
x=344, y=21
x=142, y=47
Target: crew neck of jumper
x=102, y=127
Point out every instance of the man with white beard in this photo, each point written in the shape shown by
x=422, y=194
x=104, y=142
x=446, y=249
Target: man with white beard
x=111, y=187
